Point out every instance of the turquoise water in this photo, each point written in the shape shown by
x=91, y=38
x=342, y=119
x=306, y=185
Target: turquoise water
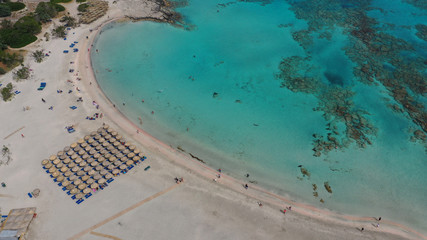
x=215, y=93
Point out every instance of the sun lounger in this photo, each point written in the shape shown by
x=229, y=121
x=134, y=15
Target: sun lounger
x=29, y=195
x=75, y=50
x=65, y=39
x=73, y=107
x=110, y=180
x=80, y=201
x=76, y=42
x=17, y=92
x=72, y=45
x=68, y=193
x=42, y=86
x=145, y=169
x=130, y=167
x=64, y=188
x=71, y=130
x=73, y=197
x=88, y=195
x=65, y=51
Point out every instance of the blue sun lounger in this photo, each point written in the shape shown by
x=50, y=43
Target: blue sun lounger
x=73, y=107
x=65, y=51
x=42, y=86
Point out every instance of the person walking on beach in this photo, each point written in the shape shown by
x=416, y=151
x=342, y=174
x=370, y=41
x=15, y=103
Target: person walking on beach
x=284, y=211
x=246, y=186
x=22, y=135
x=379, y=219
x=362, y=229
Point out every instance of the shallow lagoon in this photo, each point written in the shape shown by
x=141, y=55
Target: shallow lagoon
x=215, y=93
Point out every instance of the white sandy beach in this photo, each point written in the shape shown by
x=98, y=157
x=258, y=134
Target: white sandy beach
x=198, y=208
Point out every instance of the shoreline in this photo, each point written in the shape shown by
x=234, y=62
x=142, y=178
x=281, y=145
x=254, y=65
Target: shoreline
x=234, y=184
x=25, y=171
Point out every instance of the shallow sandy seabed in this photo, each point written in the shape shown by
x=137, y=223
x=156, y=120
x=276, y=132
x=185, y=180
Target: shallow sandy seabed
x=198, y=208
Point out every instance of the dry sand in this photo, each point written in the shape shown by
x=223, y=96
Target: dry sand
x=198, y=208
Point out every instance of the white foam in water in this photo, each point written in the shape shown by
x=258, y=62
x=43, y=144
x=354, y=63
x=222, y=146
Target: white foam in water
x=252, y=124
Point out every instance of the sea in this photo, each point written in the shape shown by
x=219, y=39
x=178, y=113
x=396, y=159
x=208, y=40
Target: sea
x=277, y=93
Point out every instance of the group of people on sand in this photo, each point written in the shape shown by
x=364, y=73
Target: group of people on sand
x=179, y=180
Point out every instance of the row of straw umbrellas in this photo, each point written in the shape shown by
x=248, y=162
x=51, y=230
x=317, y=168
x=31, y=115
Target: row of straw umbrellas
x=91, y=161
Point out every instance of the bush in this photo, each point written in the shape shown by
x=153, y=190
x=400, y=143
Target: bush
x=5, y=10
x=2, y=71
x=45, y=11
x=15, y=6
x=80, y=1
x=60, y=1
x=82, y=7
x=59, y=32
x=38, y=56
x=58, y=7
x=28, y=24
x=21, y=74
x=6, y=92
x=11, y=60
x=69, y=21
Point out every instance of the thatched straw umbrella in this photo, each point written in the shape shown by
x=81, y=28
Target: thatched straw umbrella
x=70, y=152
x=112, y=159
x=108, y=176
x=80, y=173
x=117, y=163
x=60, y=178
x=88, y=148
x=92, y=152
x=111, y=148
x=123, y=166
x=121, y=148
x=103, y=152
x=77, y=182
x=127, y=144
x=59, y=165
x=116, y=144
x=52, y=157
x=74, y=156
x=98, y=168
x=82, y=164
x=74, y=191
x=86, y=190
x=101, y=181
x=115, y=172
x=114, y=151
x=69, y=186
x=90, y=181
x=79, y=196
x=97, y=176
x=132, y=147
x=103, y=172
x=56, y=161
x=106, y=126
x=60, y=153
x=118, y=137
x=73, y=145
x=136, y=158
x=98, y=136
x=107, y=136
x=101, y=159
x=87, y=169
x=77, y=149
x=85, y=156
x=94, y=164
x=90, y=160
x=114, y=133
x=75, y=169
x=94, y=185
x=136, y=151
x=93, y=133
x=101, y=140
x=49, y=165
x=82, y=186
x=85, y=178
x=124, y=159
x=106, y=144
x=84, y=145
x=52, y=169
x=71, y=165
x=98, y=147
x=80, y=141
x=92, y=172
x=109, y=130
x=63, y=157
x=55, y=174
x=120, y=155
x=126, y=151
x=111, y=167
x=105, y=163
x=81, y=152
x=87, y=137
x=65, y=183
x=68, y=173
x=44, y=162
x=78, y=160
x=64, y=169
x=100, y=130
x=67, y=148
x=72, y=177
x=131, y=155
x=130, y=162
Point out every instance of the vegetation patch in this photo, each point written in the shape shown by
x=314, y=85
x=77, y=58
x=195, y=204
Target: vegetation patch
x=21, y=74
x=14, y=6
x=59, y=32
x=60, y=1
x=38, y=56
x=21, y=33
x=82, y=7
x=6, y=92
x=80, y=1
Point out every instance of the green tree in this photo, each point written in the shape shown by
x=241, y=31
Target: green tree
x=5, y=10
x=45, y=11
x=6, y=24
x=28, y=24
x=21, y=74
x=69, y=21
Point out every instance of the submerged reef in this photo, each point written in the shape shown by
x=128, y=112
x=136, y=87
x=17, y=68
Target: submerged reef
x=379, y=59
